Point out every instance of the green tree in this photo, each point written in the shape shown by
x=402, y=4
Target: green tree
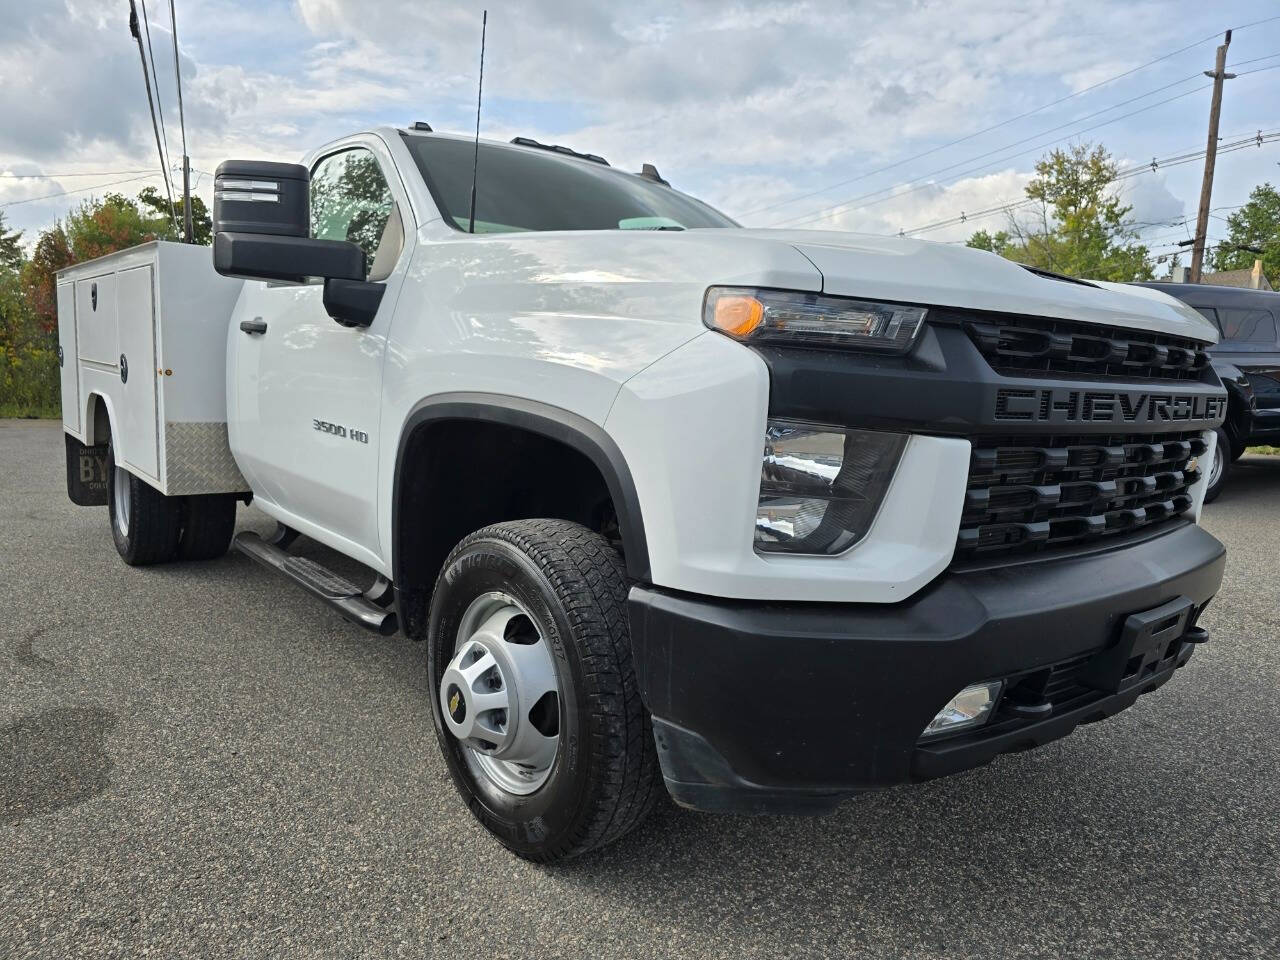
x=94, y=229
x=997, y=242
x=99, y=227
x=10, y=246
x=1256, y=224
x=29, y=382
x=1082, y=229
x=52, y=252
x=151, y=200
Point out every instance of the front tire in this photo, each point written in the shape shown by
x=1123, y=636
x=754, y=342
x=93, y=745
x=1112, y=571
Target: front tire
x=1238, y=447
x=1220, y=466
x=533, y=693
x=145, y=524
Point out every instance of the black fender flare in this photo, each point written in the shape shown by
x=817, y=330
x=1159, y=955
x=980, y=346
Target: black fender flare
x=1239, y=419
x=549, y=421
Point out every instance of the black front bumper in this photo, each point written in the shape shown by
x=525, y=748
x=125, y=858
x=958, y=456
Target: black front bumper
x=763, y=707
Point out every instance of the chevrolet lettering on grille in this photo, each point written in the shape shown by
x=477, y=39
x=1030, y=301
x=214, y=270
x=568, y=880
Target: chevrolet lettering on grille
x=1106, y=406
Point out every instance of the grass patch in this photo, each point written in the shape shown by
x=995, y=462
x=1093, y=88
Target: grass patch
x=14, y=411
x=1267, y=451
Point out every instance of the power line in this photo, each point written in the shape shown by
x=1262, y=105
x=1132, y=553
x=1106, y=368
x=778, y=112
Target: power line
x=1253, y=23
x=1006, y=122
x=63, y=193
x=1127, y=173
x=924, y=181
x=1241, y=63
x=61, y=176
x=168, y=157
x=146, y=79
x=1259, y=70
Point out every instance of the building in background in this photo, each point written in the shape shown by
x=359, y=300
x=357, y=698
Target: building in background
x=1252, y=278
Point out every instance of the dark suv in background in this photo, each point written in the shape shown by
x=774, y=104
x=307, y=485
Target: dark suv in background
x=1247, y=358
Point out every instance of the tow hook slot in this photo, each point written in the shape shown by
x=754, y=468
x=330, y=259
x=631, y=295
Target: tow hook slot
x=1026, y=705
x=1149, y=641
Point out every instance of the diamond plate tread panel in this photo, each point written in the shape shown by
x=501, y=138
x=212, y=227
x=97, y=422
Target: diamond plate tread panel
x=198, y=460
x=320, y=577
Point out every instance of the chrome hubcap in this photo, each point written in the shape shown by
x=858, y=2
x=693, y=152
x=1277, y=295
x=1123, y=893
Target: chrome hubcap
x=120, y=481
x=1215, y=469
x=499, y=695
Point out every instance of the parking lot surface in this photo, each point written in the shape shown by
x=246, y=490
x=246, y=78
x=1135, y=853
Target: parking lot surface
x=202, y=760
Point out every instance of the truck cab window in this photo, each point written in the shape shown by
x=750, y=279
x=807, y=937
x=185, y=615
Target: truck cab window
x=1211, y=315
x=1248, y=326
x=350, y=200
x=523, y=188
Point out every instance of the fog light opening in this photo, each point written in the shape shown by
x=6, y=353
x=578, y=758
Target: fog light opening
x=971, y=707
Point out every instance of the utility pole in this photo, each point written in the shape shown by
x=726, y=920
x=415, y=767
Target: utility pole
x=1218, y=74
x=187, y=231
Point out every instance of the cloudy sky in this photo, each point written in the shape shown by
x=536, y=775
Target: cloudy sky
x=862, y=115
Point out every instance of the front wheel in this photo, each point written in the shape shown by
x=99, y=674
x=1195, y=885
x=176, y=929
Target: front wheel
x=1220, y=466
x=533, y=692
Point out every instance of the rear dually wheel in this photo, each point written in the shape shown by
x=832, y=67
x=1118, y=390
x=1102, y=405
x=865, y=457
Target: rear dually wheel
x=145, y=524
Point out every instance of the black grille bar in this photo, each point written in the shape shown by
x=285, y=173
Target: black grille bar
x=1027, y=494
x=1026, y=345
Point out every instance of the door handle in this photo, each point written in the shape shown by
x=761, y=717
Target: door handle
x=256, y=325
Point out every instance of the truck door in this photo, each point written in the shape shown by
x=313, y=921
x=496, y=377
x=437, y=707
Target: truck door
x=308, y=388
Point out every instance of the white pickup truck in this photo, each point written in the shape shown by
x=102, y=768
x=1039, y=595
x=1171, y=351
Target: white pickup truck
x=764, y=517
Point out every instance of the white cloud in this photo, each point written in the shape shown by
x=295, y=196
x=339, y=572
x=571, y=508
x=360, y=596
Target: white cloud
x=746, y=104
x=912, y=208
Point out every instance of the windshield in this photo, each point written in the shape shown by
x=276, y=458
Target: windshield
x=524, y=188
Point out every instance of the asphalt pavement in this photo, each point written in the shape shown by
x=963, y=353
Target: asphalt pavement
x=200, y=760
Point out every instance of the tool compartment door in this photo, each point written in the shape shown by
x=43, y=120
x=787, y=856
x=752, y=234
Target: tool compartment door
x=135, y=297
x=96, y=319
x=68, y=357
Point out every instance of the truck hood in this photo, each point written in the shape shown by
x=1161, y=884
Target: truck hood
x=951, y=275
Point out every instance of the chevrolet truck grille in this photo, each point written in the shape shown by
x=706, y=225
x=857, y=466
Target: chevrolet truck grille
x=1029, y=494
x=1028, y=345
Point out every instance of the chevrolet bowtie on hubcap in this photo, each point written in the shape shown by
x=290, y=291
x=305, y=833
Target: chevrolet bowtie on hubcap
x=500, y=695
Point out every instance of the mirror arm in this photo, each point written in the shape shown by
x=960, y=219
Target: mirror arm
x=352, y=303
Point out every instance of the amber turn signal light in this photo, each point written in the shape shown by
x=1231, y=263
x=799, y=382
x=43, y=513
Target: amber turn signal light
x=737, y=314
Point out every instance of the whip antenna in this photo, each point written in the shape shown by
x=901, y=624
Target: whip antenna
x=475, y=160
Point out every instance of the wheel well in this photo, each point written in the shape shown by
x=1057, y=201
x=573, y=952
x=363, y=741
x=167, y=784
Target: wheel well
x=455, y=476
x=1237, y=420
x=98, y=421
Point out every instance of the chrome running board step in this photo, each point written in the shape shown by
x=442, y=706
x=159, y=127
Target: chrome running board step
x=319, y=581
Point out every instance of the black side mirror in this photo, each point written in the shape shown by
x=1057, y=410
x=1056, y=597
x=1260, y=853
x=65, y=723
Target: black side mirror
x=262, y=226
x=353, y=303
x=257, y=196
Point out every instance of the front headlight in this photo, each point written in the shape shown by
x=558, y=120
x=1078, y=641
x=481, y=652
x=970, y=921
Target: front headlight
x=820, y=487
x=811, y=319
